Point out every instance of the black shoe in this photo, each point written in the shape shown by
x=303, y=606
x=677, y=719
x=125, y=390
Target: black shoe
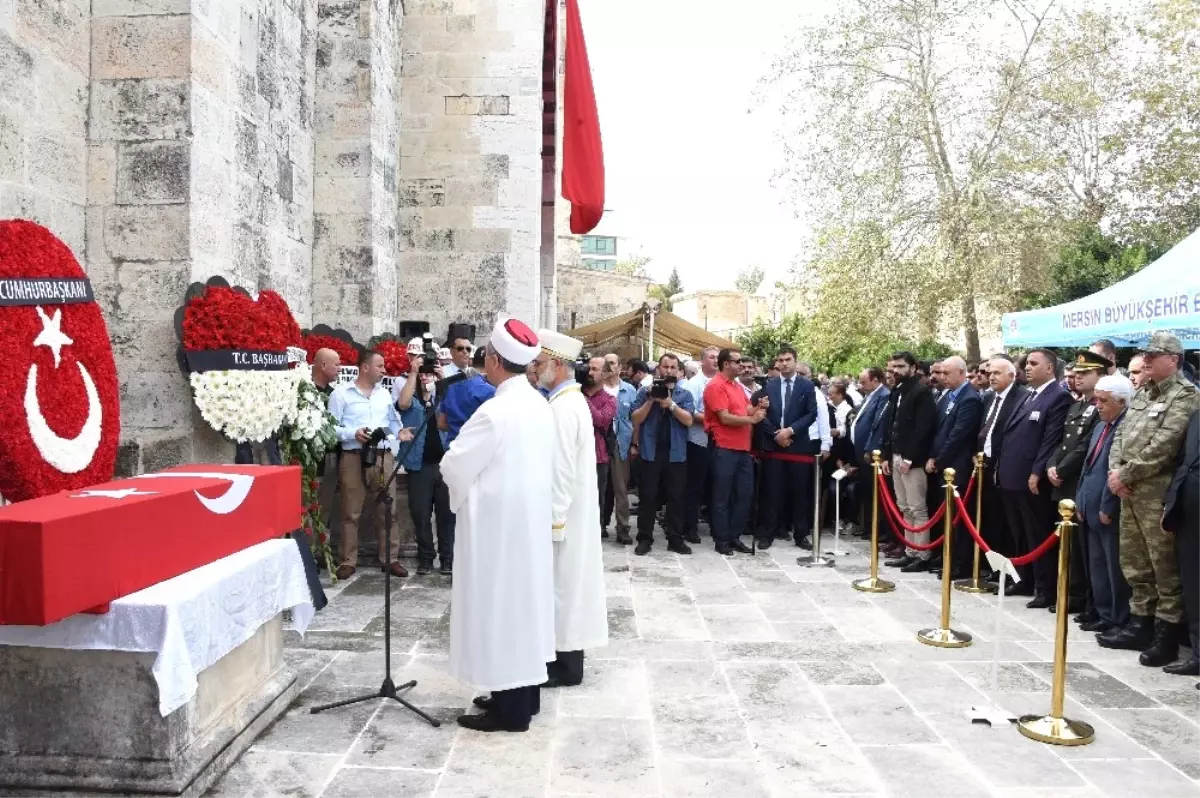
x=764, y=543
x=738, y=545
x=1136, y=635
x=1019, y=589
x=962, y=573
x=1165, y=647
x=1189, y=667
x=692, y=538
x=623, y=537
x=424, y=567
x=447, y=567
x=643, y=548
x=805, y=543
x=1097, y=625
x=724, y=550
x=1039, y=602
x=1073, y=606
x=486, y=703
x=488, y=722
x=604, y=532
x=900, y=562
x=916, y=566
x=679, y=547
x=554, y=682
x=1087, y=616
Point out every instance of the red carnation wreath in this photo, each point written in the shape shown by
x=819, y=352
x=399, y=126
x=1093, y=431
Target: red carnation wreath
x=313, y=342
x=60, y=413
x=395, y=358
x=222, y=318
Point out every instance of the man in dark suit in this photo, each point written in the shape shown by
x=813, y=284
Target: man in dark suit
x=1181, y=515
x=907, y=442
x=1033, y=432
x=788, y=485
x=1004, y=396
x=866, y=433
x=1065, y=465
x=1099, y=510
x=960, y=414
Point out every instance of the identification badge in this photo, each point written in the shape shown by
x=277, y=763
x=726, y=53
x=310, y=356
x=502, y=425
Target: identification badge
x=1087, y=411
x=1035, y=415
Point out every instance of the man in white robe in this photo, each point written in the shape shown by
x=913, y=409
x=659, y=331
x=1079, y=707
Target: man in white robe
x=580, y=616
x=498, y=472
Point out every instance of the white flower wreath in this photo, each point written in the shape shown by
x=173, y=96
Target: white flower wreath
x=246, y=405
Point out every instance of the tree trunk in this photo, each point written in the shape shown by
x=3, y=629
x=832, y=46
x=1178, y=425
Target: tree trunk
x=971, y=327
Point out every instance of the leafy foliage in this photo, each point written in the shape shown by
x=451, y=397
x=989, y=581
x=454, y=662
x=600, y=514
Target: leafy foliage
x=635, y=266
x=748, y=280
x=1088, y=264
x=663, y=292
x=305, y=442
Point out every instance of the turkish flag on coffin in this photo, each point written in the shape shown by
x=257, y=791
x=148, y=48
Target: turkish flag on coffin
x=76, y=551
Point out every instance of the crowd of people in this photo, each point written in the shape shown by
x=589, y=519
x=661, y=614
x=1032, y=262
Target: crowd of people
x=759, y=452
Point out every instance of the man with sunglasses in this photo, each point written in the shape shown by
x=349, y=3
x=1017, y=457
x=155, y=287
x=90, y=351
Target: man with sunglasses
x=460, y=356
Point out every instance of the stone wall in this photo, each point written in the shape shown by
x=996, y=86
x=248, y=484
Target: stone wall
x=724, y=313
x=590, y=296
x=470, y=190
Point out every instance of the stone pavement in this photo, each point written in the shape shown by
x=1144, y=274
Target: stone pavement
x=734, y=677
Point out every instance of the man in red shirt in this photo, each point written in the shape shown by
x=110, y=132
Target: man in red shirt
x=730, y=419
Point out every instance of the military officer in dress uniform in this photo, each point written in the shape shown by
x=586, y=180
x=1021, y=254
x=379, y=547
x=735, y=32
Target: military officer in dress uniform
x=1066, y=464
x=1140, y=468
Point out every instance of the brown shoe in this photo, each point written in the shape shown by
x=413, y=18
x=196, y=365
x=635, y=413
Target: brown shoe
x=396, y=568
x=344, y=572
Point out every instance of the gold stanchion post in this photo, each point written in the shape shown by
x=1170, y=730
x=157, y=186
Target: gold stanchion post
x=944, y=636
x=1054, y=728
x=975, y=584
x=873, y=584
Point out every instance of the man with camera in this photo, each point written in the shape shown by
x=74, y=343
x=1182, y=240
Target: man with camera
x=365, y=418
x=662, y=413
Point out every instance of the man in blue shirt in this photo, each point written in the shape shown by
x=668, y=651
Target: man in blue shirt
x=663, y=423
x=463, y=398
x=619, y=443
x=358, y=409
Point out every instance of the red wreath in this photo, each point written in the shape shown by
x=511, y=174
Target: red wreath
x=221, y=318
x=395, y=358
x=345, y=350
x=30, y=250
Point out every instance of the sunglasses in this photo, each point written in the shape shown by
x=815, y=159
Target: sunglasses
x=462, y=349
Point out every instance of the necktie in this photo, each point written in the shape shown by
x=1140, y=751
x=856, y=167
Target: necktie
x=991, y=420
x=1099, y=443
x=787, y=395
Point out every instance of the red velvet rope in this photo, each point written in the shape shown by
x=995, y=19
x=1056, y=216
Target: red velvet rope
x=1024, y=559
x=937, y=516
x=790, y=458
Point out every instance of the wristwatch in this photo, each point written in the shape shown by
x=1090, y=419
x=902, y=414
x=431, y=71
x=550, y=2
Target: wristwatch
x=673, y=407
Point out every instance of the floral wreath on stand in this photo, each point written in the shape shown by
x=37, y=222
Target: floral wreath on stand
x=395, y=358
x=305, y=440
x=60, y=414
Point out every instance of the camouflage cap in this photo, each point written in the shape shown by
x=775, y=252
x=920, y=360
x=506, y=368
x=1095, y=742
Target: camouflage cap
x=1163, y=343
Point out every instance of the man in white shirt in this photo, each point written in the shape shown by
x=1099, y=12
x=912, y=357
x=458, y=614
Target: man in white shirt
x=1006, y=395
x=698, y=455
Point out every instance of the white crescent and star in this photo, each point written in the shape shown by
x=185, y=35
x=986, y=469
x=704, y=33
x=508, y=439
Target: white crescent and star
x=227, y=502
x=112, y=494
x=68, y=455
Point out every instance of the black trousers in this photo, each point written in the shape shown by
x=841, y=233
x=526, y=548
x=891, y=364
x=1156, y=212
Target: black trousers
x=699, y=464
x=1187, y=544
x=516, y=707
x=995, y=529
x=567, y=667
x=427, y=491
x=244, y=453
x=787, y=498
x=1080, y=585
x=663, y=482
x=1032, y=518
x=865, y=486
x=602, y=488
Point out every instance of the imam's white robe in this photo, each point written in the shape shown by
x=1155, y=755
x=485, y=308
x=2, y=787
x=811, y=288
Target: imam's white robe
x=580, y=616
x=502, y=600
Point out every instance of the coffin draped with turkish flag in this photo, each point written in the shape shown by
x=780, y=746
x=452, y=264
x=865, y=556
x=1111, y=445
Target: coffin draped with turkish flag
x=77, y=551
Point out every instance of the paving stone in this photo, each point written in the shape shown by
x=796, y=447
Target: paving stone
x=1163, y=732
x=1092, y=687
x=604, y=756
x=875, y=714
x=1131, y=778
x=610, y=689
x=265, y=774
x=397, y=738
x=914, y=771
x=704, y=726
x=355, y=782
x=736, y=623
x=698, y=779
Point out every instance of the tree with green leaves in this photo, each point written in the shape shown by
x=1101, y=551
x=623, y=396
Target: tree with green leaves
x=749, y=279
x=635, y=266
x=663, y=292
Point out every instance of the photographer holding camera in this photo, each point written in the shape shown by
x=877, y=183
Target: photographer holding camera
x=662, y=413
x=365, y=419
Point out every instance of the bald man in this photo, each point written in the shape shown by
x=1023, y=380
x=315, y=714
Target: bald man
x=325, y=371
x=960, y=414
x=326, y=363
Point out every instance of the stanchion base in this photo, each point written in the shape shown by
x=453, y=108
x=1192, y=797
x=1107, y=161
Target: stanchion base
x=814, y=562
x=873, y=584
x=1056, y=731
x=944, y=638
x=974, y=586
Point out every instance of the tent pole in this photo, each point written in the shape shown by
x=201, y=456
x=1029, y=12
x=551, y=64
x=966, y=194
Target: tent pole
x=653, y=311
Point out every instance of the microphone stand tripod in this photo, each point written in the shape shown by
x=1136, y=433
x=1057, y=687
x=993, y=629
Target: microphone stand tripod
x=389, y=689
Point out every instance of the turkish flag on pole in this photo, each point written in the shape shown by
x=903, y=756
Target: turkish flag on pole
x=583, y=154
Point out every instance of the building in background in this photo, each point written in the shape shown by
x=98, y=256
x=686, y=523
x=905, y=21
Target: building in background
x=724, y=313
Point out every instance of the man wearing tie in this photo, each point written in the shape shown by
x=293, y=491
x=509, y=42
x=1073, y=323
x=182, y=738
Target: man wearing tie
x=1031, y=435
x=867, y=436
x=960, y=413
x=791, y=410
x=1003, y=398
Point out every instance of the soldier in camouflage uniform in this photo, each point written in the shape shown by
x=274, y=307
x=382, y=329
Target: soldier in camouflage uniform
x=1141, y=465
x=1065, y=466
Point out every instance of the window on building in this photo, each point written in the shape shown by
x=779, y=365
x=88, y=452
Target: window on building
x=598, y=245
x=600, y=265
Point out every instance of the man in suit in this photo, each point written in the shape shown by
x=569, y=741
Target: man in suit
x=866, y=433
x=1181, y=516
x=960, y=414
x=788, y=485
x=1098, y=510
x=907, y=442
x=1033, y=432
x=1004, y=398
x=1065, y=465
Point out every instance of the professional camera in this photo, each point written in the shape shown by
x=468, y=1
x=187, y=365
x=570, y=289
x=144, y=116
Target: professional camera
x=662, y=387
x=429, y=351
x=582, y=369
x=369, y=450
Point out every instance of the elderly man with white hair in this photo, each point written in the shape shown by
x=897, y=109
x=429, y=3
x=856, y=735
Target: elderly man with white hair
x=1098, y=508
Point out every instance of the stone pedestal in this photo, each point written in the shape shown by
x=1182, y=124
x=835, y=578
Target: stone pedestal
x=89, y=720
